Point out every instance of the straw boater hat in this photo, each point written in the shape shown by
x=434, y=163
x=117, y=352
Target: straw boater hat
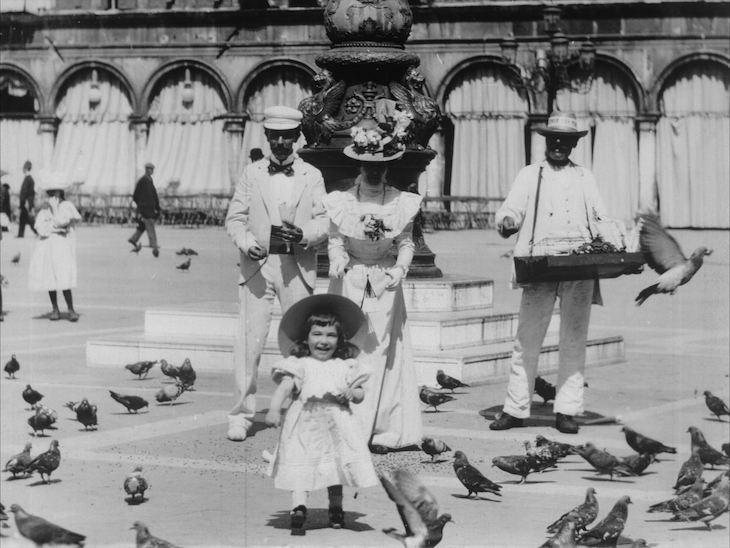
x=52, y=180
x=354, y=325
x=562, y=124
x=282, y=118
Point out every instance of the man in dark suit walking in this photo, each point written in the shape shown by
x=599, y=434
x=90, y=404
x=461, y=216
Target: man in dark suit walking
x=27, y=200
x=148, y=209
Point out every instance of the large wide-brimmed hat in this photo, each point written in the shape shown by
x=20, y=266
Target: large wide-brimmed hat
x=376, y=156
x=354, y=324
x=282, y=118
x=561, y=124
x=52, y=180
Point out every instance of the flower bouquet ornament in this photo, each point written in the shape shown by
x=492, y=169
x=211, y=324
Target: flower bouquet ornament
x=374, y=227
x=382, y=143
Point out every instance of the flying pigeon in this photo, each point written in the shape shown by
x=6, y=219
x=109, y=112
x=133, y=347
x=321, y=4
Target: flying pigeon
x=557, y=449
x=519, y=465
x=680, y=502
x=15, y=259
x=564, y=537
x=40, y=421
x=544, y=389
x=708, y=454
x=447, y=382
x=47, y=462
x=418, y=511
x=19, y=463
x=472, y=479
x=191, y=251
x=170, y=393
x=181, y=251
x=708, y=508
x=135, y=483
x=714, y=404
x=86, y=414
x=639, y=462
x=12, y=367
x=582, y=515
x=169, y=370
x=609, y=529
x=184, y=266
x=146, y=540
x=664, y=255
x=433, y=447
x=31, y=396
x=433, y=398
x=644, y=444
x=187, y=375
x=42, y=531
x=141, y=368
x=132, y=403
x=603, y=461
x=691, y=470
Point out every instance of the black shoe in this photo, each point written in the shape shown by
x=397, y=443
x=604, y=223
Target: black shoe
x=505, y=422
x=378, y=449
x=156, y=252
x=566, y=424
x=298, y=517
x=337, y=518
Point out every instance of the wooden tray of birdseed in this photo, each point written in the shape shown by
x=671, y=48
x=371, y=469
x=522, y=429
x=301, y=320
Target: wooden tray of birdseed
x=583, y=266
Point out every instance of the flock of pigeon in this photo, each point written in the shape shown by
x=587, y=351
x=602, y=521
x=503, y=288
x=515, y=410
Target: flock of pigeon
x=23, y=465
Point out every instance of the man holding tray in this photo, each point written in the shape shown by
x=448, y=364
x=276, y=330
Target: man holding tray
x=554, y=207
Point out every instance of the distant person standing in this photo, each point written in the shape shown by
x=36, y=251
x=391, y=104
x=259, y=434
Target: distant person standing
x=5, y=207
x=27, y=200
x=255, y=155
x=148, y=209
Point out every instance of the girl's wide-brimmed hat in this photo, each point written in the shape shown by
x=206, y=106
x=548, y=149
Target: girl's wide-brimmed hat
x=52, y=180
x=377, y=156
x=354, y=323
x=561, y=124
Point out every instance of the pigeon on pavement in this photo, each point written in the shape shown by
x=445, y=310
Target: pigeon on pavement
x=15, y=259
x=42, y=531
x=519, y=465
x=170, y=393
x=582, y=515
x=184, y=266
x=186, y=251
x=147, y=540
x=680, y=502
x=603, y=461
x=47, y=462
x=708, y=508
x=40, y=421
x=12, y=367
x=714, y=404
x=433, y=447
x=132, y=403
x=644, y=444
x=609, y=529
x=726, y=449
x=564, y=537
x=473, y=479
x=187, y=375
x=135, y=483
x=691, y=470
x=169, y=370
x=664, y=255
x=31, y=396
x=557, y=449
x=18, y=463
x=434, y=399
x=140, y=368
x=3, y=515
x=86, y=414
x=544, y=389
x=418, y=509
x=639, y=462
x=708, y=454
x=542, y=455
x=447, y=382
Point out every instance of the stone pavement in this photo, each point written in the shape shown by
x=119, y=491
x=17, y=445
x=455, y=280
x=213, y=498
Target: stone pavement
x=207, y=491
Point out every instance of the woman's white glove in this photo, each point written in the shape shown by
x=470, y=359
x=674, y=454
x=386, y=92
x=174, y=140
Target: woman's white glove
x=337, y=267
x=396, y=275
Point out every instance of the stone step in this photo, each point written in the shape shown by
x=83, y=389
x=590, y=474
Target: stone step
x=478, y=365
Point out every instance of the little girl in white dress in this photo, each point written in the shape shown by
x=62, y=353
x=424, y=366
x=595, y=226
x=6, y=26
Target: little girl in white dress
x=320, y=444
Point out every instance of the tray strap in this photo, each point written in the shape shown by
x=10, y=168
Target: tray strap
x=537, y=199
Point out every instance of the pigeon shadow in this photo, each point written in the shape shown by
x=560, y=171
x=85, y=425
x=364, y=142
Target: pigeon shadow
x=41, y=482
x=173, y=404
x=318, y=518
x=257, y=426
x=437, y=461
x=135, y=501
x=144, y=379
x=517, y=482
x=16, y=478
x=127, y=413
x=430, y=412
x=474, y=498
x=700, y=528
x=609, y=480
x=37, y=435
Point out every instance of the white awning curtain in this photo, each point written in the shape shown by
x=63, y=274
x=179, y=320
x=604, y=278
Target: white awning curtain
x=612, y=154
x=20, y=140
x=94, y=144
x=489, y=120
x=186, y=142
x=693, y=139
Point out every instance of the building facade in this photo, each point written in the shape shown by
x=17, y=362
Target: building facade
x=96, y=88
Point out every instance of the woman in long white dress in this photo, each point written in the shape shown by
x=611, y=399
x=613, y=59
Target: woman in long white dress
x=366, y=221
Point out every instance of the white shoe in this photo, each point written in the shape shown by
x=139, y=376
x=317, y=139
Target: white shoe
x=237, y=428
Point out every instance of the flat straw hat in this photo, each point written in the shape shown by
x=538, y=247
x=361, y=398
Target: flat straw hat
x=52, y=180
x=282, y=118
x=354, y=323
x=561, y=124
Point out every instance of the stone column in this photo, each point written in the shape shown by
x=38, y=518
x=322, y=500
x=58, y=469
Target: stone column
x=48, y=129
x=647, y=161
x=233, y=127
x=141, y=128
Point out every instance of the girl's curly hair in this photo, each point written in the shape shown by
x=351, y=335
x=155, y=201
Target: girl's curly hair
x=323, y=318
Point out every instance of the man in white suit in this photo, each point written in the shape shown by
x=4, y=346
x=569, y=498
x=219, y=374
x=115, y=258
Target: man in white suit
x=276, y=218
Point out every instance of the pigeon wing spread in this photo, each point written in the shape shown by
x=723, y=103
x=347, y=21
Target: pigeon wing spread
x=42, y=531
x=661, y=249
x=414, y=524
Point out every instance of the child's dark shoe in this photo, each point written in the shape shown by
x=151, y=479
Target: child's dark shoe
x=337, y=518
x=298, y=517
